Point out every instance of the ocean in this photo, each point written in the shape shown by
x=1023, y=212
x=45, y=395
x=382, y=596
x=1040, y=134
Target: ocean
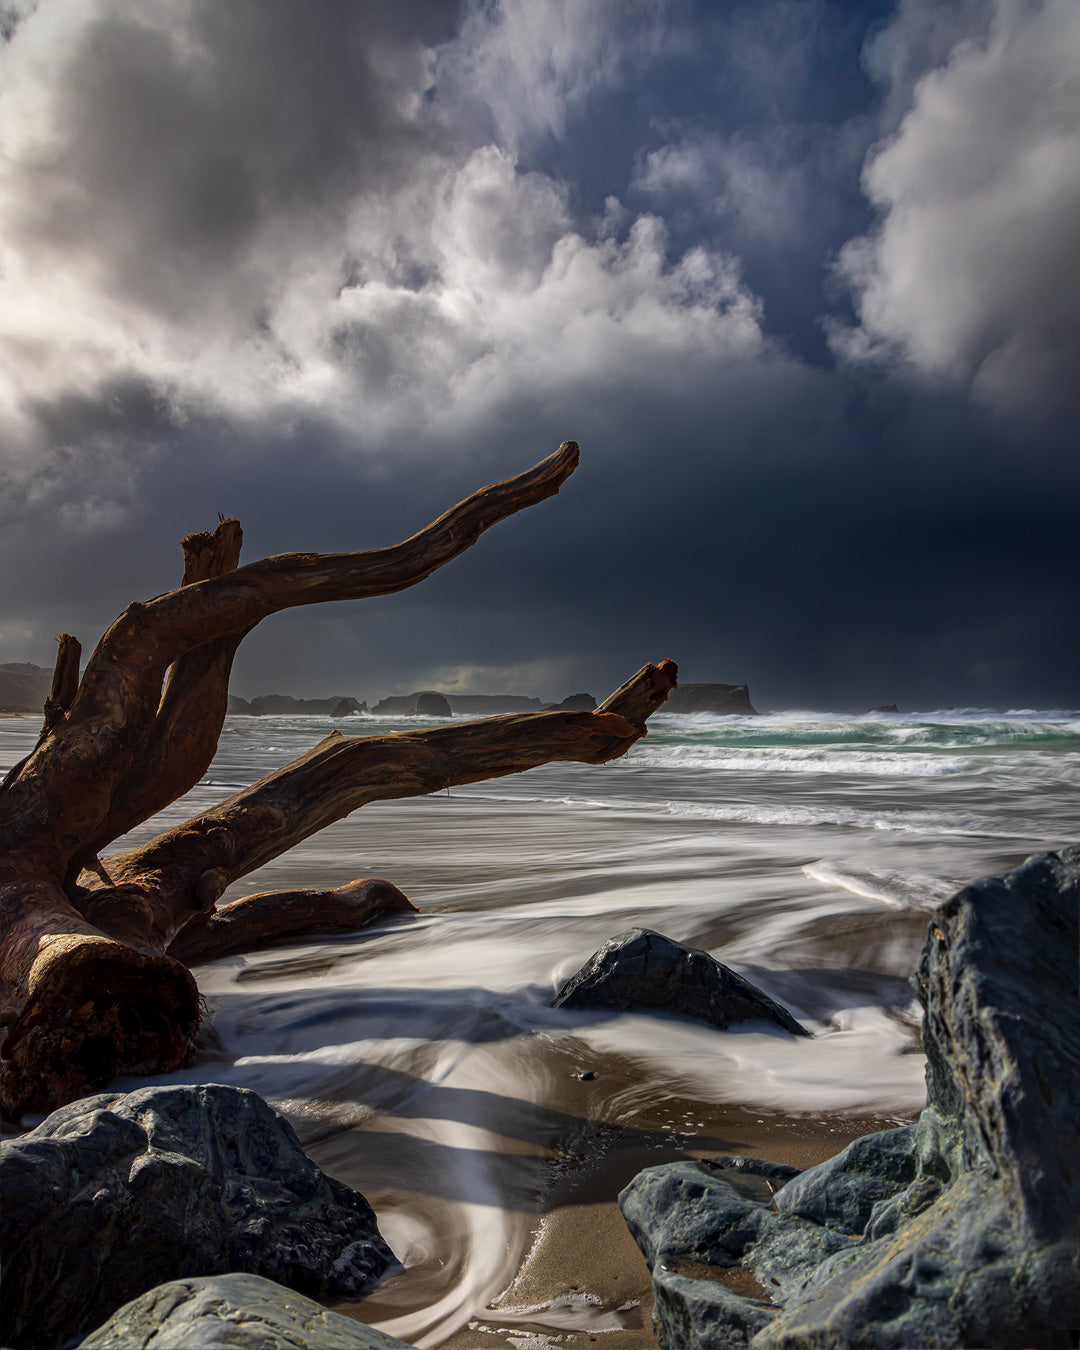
x=420, y=1059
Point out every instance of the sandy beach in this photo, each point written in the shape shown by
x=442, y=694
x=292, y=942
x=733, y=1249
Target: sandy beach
x=582, y=1278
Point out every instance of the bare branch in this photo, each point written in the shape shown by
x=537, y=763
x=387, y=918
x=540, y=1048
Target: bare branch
x=334, y=779
x=63, y=794
x=252, y=922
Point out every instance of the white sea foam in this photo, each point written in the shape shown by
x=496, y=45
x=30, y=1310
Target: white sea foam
x=802, y=759
x=895, y=889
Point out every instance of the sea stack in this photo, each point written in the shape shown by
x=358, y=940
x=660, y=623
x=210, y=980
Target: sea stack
x=725, y=699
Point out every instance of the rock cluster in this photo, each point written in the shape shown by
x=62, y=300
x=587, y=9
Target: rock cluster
x=641, y=970
x=116, y=1193
x=960, y=1230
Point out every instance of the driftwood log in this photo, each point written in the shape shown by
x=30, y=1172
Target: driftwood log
x=94, y=951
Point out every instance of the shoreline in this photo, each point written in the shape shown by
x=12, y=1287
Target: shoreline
x=578, y=1276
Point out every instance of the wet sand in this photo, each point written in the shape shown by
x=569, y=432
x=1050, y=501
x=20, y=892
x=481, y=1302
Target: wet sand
x=581, y=1279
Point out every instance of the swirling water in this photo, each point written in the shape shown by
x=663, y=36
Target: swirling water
x=421, y=1061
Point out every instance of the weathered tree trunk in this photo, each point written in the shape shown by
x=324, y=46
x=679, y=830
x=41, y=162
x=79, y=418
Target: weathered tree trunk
x=94, y=951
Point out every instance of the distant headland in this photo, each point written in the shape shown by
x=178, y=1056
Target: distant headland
x=24, y=688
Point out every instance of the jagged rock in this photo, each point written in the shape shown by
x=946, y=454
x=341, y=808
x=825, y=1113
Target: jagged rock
x=117, y=1193
x=884, y=708
x=574, y=703
x=728, y=699
x=430, y=703
x=640, y=970
x=960, y=1230
x=232, y=1312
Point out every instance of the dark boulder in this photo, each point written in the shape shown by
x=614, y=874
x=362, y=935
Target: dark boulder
x=641, y=970
x=117, y=1193
x=430, y=703
x=960, y=1230
x=233, y=1312
x=725, y=699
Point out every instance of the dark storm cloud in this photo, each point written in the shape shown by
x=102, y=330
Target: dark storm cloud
x=331, y=267
x=192, y=142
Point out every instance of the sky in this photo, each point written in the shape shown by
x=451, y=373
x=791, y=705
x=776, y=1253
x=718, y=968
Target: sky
x=802, y=278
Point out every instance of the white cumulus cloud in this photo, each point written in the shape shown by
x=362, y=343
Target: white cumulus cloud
x=973, y=271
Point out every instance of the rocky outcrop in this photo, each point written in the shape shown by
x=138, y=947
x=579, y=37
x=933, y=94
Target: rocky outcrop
x=396, y=705
x=340, y=705
x=432, y=704
x=241, y=1312
x=574, y=703
x=884, y=708
x=640, y=970
x=725, y=699
x=115, y=1194
x=960, y=1230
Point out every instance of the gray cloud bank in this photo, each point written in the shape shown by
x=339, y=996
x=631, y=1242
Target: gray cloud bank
x=800, y=277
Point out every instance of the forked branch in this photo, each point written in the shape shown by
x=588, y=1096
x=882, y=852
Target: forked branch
x=61, y=801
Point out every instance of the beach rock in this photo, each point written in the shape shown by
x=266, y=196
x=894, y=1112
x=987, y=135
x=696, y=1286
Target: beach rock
x=960, y=1230
x=726, y=699
x=232, y=1312
x=430, y=703
x=112, y=1195
x=640, y=970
